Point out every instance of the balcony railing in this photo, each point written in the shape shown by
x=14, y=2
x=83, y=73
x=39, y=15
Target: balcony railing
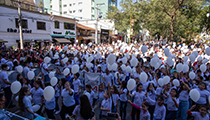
x=24, y=6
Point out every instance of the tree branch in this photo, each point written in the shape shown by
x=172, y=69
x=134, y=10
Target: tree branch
x=164, y=9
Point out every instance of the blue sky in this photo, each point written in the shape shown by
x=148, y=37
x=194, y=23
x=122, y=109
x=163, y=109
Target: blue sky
x=118, y=4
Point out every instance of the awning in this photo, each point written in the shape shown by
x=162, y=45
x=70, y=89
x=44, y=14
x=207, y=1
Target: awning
x=62, y=40
x=47, y=40
x=3, y=41
x=26, y=40
x=67, y=36
x=88, y=37
x=84, y=27
x=38, y=40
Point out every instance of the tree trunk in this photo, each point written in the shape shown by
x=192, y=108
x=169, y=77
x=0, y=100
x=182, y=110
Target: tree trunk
x=172, y=28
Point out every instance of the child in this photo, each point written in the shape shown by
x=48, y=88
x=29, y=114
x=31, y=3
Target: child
x=107, y=78
x=204, y=94
x=172, y=104
x=144, y=114
x=183, y=101
x=160, y=110
x=37, y=94
x=77, y=87
x=123, y=99
x=92, y=94
x=106, y=105
x=25, y=104
x=25, y=82
x=139, y=97
x=115, y=98
x=152, y=94
x=50, y=106
x=100, y=96
x=201, y=115
x=68, y=102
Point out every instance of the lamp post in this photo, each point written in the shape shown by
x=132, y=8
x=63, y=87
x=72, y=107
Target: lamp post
x=97, y=17
x=20, y=25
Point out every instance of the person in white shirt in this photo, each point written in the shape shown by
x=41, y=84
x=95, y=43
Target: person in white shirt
x=10, y=63
x=106, y=105
x=5, y=84
x=199, y=115
x=26, y=69
x=107, y=78
x=77, y=87
x=45, y=70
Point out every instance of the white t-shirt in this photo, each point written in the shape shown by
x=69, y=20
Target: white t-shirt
x=3, y=76
x=106, y=104
x=197, y=116
x=25, y=71
x=37, y=95
x=115, y=97
x=139, y=98
x=76, y=84
x=44, y=65
x=108, y=79
x=68, y=100
x=123, y=97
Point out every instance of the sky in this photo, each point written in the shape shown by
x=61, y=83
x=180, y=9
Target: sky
x=118, y=4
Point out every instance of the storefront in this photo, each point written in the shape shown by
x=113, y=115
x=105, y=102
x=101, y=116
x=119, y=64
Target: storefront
x=85, y=34
x=105, y=36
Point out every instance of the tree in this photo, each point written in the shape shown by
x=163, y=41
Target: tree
x=172, y=19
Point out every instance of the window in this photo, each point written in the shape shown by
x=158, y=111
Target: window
x=73, y=3
x=92, y=10
x=80, y=17
x=24, y=23
x=56, y=23
x=79, y=11
x=61, y=13
x=70, y=26
x=79, y=3
x=40, y=25
x=74, y=11
x=70, y=11
x=65, y=5
x=64, y=12
x=69, y=4
x=50, y=6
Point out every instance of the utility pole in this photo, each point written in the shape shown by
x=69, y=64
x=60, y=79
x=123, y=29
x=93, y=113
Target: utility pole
x=20, y=25
x=96, y=27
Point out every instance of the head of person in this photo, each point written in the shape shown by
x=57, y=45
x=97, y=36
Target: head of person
x=202, y=86
x=202, y=109
x=114, y=90
x=85, y=107
x=4, y=67
x=139, y=87
x=88, y=88
x=67, y=84
x=145, y=106
x=137, y=79
x=173, y=92
x=160, y=100
x=24, y=91
x=150, y=87
x=124, y=84
x=37, y=84
x=76, y=76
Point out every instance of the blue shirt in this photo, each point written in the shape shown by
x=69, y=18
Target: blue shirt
x=27, y=103
x=50, y=105
x=68, y=100
x=37, y=95
x=3, y=76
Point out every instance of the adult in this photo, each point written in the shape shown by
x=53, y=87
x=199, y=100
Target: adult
x=5, y=84
x=84, y=110
x=3, y=115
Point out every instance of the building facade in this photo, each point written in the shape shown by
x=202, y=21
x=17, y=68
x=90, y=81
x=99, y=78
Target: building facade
x=79, y=9
x=38, y=27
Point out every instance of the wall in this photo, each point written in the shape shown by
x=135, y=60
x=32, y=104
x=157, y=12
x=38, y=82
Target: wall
x=7, y=20
x=75, y=6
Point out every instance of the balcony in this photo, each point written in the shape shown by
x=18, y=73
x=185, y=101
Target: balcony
x=24, y=6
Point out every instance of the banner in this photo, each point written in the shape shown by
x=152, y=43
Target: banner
x=93, y=79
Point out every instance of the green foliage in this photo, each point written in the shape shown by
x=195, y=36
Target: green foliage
x=172, y=19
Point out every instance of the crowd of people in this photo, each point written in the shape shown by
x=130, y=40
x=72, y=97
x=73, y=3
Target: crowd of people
x=152, y=97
